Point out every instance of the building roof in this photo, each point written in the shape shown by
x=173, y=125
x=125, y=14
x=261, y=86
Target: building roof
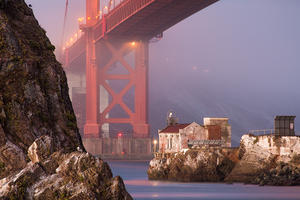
x=174, y=128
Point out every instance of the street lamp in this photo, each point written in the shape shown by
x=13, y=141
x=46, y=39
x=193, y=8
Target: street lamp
x=155, y=143
x=133, y=43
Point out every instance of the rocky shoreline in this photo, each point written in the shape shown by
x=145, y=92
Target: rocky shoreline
x=263, y=160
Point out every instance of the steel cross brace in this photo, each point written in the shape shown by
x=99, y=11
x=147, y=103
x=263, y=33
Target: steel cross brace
x=117, y=98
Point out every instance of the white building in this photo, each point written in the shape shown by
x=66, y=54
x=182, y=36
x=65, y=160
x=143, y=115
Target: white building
x=175, y=137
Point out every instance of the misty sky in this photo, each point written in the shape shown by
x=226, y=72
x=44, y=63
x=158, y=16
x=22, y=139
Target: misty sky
x=242, y=52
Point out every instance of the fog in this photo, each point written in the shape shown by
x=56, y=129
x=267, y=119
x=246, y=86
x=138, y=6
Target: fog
x=236, y=59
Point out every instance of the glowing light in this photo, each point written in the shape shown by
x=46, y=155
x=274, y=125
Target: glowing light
x=155, y=142
x=123, y=153
x=71, y=39
x=80, y=19
x=75, y=35
x=133, y=44
x=120, y=134
x=89, y=18
x=105, y=7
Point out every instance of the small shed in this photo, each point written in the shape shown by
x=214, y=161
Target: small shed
x=284, y=125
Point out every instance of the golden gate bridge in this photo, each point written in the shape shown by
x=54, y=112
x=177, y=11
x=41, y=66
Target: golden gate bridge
x=108, y=33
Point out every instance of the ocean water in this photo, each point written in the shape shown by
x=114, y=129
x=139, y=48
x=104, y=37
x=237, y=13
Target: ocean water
x=134, y=174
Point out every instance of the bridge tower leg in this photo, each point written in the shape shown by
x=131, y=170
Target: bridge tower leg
x=91, y=128
x=140, y=123
x=137, y=77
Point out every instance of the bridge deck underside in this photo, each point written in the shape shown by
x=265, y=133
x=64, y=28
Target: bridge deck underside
x=157, y=17
x=143, y=19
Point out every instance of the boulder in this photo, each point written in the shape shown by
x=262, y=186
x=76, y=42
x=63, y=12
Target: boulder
x=12, y=159
x=41, y=149
x=60, y=175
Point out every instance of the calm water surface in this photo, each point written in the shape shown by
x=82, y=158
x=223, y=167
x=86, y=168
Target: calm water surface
x=134, y=174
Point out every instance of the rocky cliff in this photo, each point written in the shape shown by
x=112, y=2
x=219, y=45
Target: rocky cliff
x=34, y=97
x=36, y=112
x=264, y=160
x=207, y=165
x=268, y=160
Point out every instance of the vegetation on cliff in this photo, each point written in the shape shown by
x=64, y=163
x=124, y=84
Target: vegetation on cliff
x=34, y=97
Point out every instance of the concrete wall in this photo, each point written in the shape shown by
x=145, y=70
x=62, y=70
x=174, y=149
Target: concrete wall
x=225, y=128
x=283, y=146
x=193, y=132
x=119, y=148
x=174, y=142
x=169, y=142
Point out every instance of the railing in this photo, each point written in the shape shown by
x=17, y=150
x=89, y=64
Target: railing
x=262, y=132
x=125, y=9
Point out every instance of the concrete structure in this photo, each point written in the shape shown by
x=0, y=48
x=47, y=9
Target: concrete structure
x=214, y=132
x=284, y=125
x=120, y=148
x=225, y=128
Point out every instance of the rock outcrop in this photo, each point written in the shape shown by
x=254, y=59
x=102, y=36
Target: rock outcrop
x=205, y=165
x=59, y=175
x=34, y=97
x=263, y=157
x=263, y=160
x=41, y=152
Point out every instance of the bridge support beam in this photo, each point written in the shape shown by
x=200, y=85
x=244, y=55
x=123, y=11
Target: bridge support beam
x=92, y=127
x=137, y=77
x=140, y=124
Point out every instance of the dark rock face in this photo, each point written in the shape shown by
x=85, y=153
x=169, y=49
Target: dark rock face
x=282, y=175
x=34, y=97
x=41, y=152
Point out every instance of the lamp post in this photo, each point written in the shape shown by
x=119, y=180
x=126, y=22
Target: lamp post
x=155, y=143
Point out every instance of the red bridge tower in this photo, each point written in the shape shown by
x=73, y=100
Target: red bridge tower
x=99, y=59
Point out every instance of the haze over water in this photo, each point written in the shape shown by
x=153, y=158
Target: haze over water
x=134, y=174
x=237, y=59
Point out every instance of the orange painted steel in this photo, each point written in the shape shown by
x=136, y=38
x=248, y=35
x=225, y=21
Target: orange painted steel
x=91, y=127
x=131, y=20
x=137, y=77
